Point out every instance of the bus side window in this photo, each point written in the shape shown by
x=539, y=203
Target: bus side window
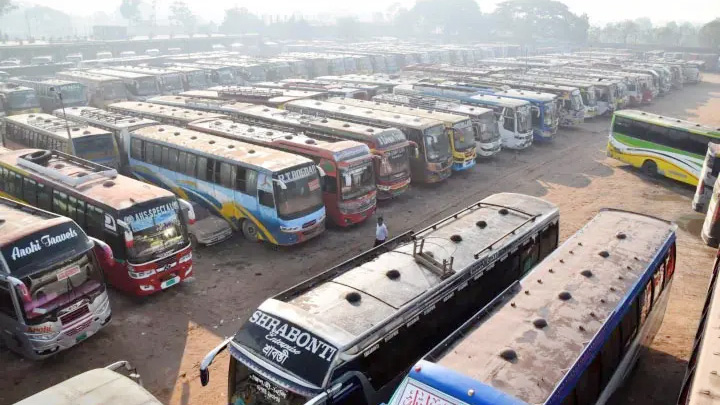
x=173, y=164
x=191, y=162
x=241, y=180
x=646, y=302
x=149, y=147
x=588, y=389
x=548, y=241
x=165, y=158
x=136, y=149
x=17, y=185
x=266, y=199
x=509, y=119
x=44, y=199
x=79, y=207
x=182, y=161
x=658, y=281
x=6, y=302
x=202, y=168
x=329, y=184
x=60, y=203
x=29, y=191
x=227, y=175
x=251, y=177
x=610, y=355
x=95, y=221
x=629, y=324
x=157, y=155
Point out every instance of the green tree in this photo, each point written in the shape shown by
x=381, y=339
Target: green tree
x=533, y=20
x=239, y=20
x=181, y=15
x=449, y=18
x=130, y=10
x=668, y=35
x=709, y=34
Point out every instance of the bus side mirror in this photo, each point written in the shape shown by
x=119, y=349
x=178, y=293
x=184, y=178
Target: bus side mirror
x=280, y=183
x=103, y=253
x=321, y=171
x=186, y=207
x=127, y=233
x=207, y=361
x=21, y=289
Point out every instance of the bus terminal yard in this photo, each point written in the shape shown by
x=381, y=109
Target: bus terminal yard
x=166, y=334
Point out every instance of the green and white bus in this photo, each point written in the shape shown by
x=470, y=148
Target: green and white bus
x=661, y=145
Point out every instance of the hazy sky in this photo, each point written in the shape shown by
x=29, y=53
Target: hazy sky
x=600, y=11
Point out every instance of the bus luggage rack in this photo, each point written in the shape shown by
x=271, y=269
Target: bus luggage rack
x=86, y=171
x=54, y=124
x=103, y=115
x=443, y=270
x=263, y=94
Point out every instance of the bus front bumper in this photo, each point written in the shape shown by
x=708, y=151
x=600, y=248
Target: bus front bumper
x=487, y=149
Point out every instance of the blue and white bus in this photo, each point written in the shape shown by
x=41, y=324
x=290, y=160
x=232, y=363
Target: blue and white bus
x=543, y=105
x=569, y=332
x=269, y=195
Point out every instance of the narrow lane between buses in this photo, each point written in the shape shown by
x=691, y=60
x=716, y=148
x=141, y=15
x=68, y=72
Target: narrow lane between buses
x=166, y=336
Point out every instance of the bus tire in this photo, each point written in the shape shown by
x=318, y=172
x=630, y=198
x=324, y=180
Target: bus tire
x=250, y=230
x=649, y=167
x=40, y=157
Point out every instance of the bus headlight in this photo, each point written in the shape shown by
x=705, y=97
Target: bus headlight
x=140, y=274
x=43, y=336
x=186, y=258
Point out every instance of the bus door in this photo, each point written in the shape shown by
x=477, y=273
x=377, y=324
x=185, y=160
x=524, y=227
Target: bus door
x=265, y=200
x=11, y=331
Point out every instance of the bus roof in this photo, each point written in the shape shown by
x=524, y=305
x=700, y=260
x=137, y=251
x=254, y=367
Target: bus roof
x=385, y=117
x=164, y=111
x=55, y=125
x=264, y=92
x=145, y=70
x=254, y=134
x=120, y=73
x=85, y=75
x=599, y=286
x=19, y=220
x=50, y=82
x=499, y=100
x=96, y=182
x=199, y=103
x=103, y=118
x=12, y=88
x=525, y=94
x=668, y=122
x=322, y=305
x=184, y=69
x=418, y=112
x=200, y=94
x=95, y=387
x=252, y=155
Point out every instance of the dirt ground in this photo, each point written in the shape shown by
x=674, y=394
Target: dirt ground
x=166, y=336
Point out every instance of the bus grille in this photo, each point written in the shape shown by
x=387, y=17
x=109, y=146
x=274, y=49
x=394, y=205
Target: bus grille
x=309, y=224
x=78, y=329
x=72, y=316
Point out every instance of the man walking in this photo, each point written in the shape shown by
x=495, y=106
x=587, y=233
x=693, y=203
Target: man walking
x=381, y=232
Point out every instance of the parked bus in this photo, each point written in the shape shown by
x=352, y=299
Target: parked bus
x=701, y=367
x=708, y=176
x=433, y=161
x=587, y=89
x=47, y=92
x=351, y=332
x=513, y=115
x=117, y=124
x=169, y=81
x=211, y=105
x=138, y=86
x=52, y=290
x=484, y=124
x=305, y=84
x=163, y=114
x=16, y=99
x=627, y=83
x=660, y=145
x=569, y=332
x=331, y=90
x=389, y=145
x=267, y=194
x=386, y=83
x=459, y=128
x=348, y=185
x=543, y=105
x=219, y=75
x=192, y=78
x=44, y=131
x=270, y=97
x=141, y=223
x=100, y=386
x=606, y=92
x=101, y=90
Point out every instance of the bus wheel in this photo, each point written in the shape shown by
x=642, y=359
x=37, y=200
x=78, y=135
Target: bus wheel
x=650, y=168
x=249, y=230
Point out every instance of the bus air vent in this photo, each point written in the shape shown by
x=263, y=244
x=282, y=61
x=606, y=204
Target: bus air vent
x=353, y=297
x=193, y=137
x=310, y=142
x=108, y=184
x=176, y=133
x=456, y=238
x=509, y=355
x=393, y=274
x=564, y=295
x=251, y=151
x=211, y=142
x=346, y=125
x=540, y=323
x=288, y=137
x=604, y=254
x=587, y=273
x=231, y=146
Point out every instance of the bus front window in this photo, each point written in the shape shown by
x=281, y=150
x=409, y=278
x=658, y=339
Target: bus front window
x=146, y=86
x=172, y=82
x=301, y=195
x=356, y=181
x=95, y=147
x=550, y=113
x=395, y=163
x=592, y=100
x=576, y=101
x=20, y=100
x=156, y=228
x=73, y=93
x=524, y=121
x=113, y=90
x=463, y=137
x=437, y=144
x=248, y=388
x=487, y=130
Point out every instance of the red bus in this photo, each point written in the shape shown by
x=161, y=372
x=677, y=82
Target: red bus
x=389, y=145
x=141, y=223
x=348, y=185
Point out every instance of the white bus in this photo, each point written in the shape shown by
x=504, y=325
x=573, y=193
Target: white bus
x=101, y=89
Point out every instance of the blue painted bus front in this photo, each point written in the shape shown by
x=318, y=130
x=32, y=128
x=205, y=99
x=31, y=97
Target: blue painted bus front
x=233, y=205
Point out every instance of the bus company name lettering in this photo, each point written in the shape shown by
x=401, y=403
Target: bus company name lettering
x=390, y=138
x=297, y=338
x=152, y=212
x=45, y=241
x=297, y=173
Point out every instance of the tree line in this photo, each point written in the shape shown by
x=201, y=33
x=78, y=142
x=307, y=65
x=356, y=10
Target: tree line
x=642, y=31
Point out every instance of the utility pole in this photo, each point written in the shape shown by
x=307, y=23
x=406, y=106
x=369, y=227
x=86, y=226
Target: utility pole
x=67, y=124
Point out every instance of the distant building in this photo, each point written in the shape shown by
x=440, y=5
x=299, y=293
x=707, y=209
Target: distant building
x=109, y=32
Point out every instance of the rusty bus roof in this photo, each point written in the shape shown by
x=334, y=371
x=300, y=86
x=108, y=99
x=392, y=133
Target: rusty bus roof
x=258, y=157
x=316, y=125
x=104, y=119
x=320, y=305
x=162, y=112
x=199, y=103
x=544, y=356
x=56, y=126
x=118, y=192
x=271, y=137
x=445, y=117
x=382, y=117
x=18, y=220
x=200, y=94
x=85, y=75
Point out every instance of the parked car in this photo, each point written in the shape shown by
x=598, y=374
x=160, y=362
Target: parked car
x=208, y=229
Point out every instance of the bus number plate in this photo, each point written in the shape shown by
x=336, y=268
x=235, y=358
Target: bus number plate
x=167, y=283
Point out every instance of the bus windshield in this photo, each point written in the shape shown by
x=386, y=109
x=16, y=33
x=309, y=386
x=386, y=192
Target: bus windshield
x=576, y=100
x=395, y=163
x=357, y=180
x=52, y=289
x=197, y=79
x=73, y=92
x=487, y=129
x=550, y=113
x=437, y=144
x=302, y=194
x=249, y=388
x=146, y=86
x=225, y=76
x=592, y=100
x=463, y=136
x=22, y=99
x=156, y=228
x=172, y=82
x=95, y=147
x=524, y=120
x=113, y=90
